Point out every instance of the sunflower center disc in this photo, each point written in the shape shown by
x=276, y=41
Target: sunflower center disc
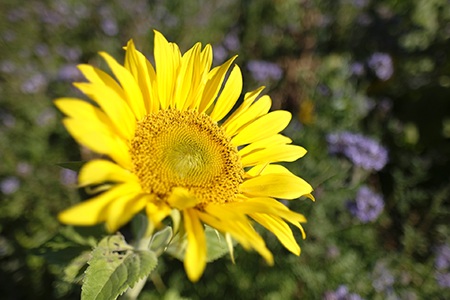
x=186, y=149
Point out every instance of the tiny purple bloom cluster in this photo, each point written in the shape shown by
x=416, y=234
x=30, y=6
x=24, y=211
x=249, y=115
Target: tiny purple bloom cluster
x=341, y=293
x=383, y=280
x=442, y=264
x=362, y=151
x=9, y=185
x=264, y=71
x=367, y=205
x=381, y=64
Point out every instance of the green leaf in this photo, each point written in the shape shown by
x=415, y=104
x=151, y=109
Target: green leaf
x=114, y=267
x=216, y=245
x=139, y=225
x=161, y=239
x=74, y=271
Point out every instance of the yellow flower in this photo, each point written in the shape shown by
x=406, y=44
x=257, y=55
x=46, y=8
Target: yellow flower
x=172, y=142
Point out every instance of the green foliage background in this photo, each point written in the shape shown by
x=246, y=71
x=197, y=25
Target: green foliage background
x=316, y=43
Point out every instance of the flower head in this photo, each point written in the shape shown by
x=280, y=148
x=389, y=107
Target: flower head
x=341, y=293
x=362, y=151
x=171, y=142
x=381, y=64
x=263, y=70
x=367, y=205
x=442, y=264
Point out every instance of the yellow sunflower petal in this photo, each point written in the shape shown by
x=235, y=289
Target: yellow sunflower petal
x=180, y=198
x=271, y=141
x=96, y=137
x=280, y=229
x=82, y=110
x=97, y=76
x=270, y=207
x=249, y=98
x=229, y=95
x=195, y=258
x=258, y=109
x=214, y=84
x=138, y=66
x=122, y=209
x=99, y=170
x=242, y=231
x=286, y=153
x=267, y=169
x=285, y=186
x=186, y=75
x=157, y=212
x=199, y=78
x=133, y=94
x=167, y=60
x=272, y=123
x=113, y=105
x=91, y=212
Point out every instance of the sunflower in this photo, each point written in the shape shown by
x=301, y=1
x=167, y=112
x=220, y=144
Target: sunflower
x=170, y=140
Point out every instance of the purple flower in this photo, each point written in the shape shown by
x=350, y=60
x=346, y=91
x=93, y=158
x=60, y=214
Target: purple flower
x=220, y=53
x=381, y=64
x=357, y=69
x=367, y=205
x=383, y=278
x=70, y=73
x=34, y=84
x=7, y=119
x=361, y=150
x=442, y=264
x=68, y=177
x=9, y=185
x=341, y=293
x=231, y=42
x=110, y=27
x=263, y=71
x=443, y=279
x=442, y=261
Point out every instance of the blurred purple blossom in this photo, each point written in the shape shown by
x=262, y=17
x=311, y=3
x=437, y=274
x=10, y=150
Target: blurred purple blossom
x=443, y=279
x=357, y=69
x=68, y=177
x=231, y=42
x=23, y=168
x=7, y=66
x=71, y=54
x=9, y=185
x=70, y=73
x=34, y=84
x=442, y=260
x=7, y=119
x=46, y=117
x=383, y=280
x=367, y=206
x=41, y=50
x=381, y=64
x=9, y=36
x=263, y=71
x=341, y=293
x=17, y=14
x=110, y=27
x=220, y=53
x=442, y=264
x=362, y=151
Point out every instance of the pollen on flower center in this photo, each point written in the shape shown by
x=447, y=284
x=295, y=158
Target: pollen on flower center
x=186, y=149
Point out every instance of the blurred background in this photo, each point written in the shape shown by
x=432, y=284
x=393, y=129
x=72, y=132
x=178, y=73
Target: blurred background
x=368, y=83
